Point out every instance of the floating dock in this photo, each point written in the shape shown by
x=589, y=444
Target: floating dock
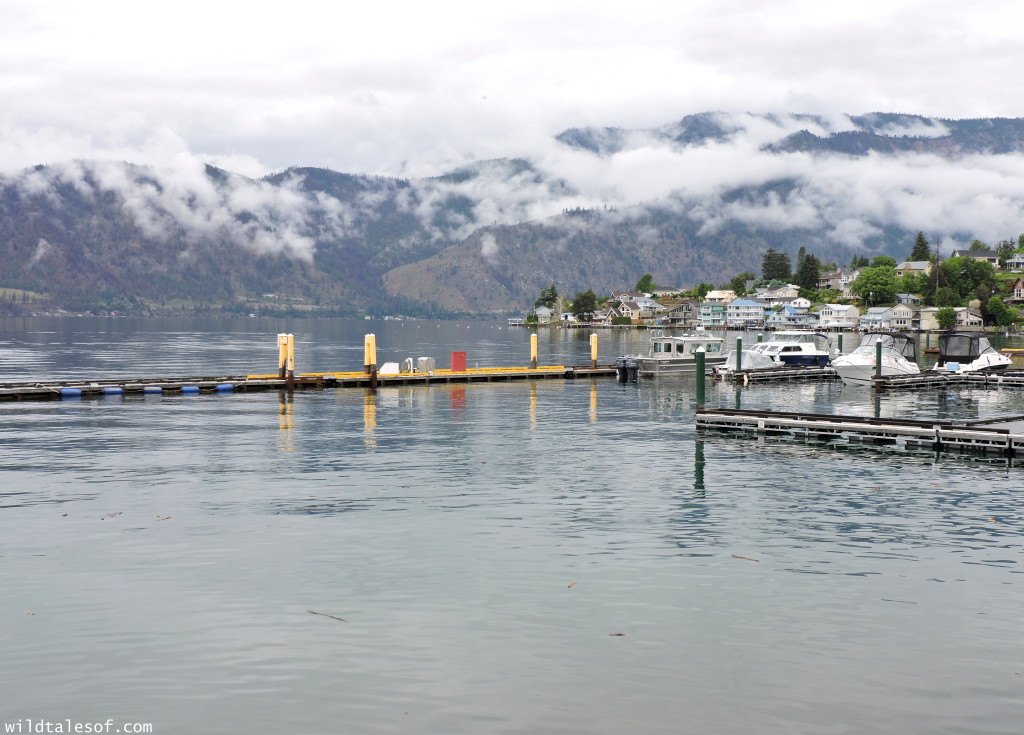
x=1002, y=436
x=56, y=390
x=937, y=378
x=781, y=373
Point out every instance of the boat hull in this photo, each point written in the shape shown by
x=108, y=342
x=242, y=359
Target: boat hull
x=650, y=366
x=860, y=372
x=809, y=360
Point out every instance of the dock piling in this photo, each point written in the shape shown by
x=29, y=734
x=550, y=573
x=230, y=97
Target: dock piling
x=739, y=354
x=533, y=351
x=699, y=357
x=593, y=349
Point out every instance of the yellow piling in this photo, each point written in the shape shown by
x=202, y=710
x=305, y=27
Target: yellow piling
x=533, y=351
x=593, y=350
x=282, y=355
x=370, y=359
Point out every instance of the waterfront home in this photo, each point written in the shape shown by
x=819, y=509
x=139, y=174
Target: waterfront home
x=686, y=314
x=712, y=314
x=545, y=315
x=788, y=317
x=745, y=313
x=906, y=316
x=838, y=316
x=908, y=299
x=641, y=309
x=914, y=268
x=606, y=316
x=628, y=295
x=966, y=318
x=1015, y=262
x=876, y=317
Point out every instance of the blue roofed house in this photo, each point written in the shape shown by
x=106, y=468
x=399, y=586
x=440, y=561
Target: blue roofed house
x=788, y=317
x=745, y=313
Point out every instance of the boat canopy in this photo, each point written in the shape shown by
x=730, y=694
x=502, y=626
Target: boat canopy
x=963, y=347
x=895, y=341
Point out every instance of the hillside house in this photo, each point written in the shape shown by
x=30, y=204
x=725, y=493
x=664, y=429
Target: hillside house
x=1015, y=262
x=839, y=280
x=1016, y=291
x=720, y=296
x=914, y=268
x=988, y=256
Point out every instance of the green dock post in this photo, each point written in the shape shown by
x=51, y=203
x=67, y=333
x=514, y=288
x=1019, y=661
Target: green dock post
x=739, y=354
x=840, y=343
x=699, y=357
x=878, y=358
x=760, y=337
x=927, y=340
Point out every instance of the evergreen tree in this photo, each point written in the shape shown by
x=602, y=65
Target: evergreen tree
x=548, y=297
x=645, y=284
x=808, y=271
x=584, y=305
x=921, y=250
x=776, y=265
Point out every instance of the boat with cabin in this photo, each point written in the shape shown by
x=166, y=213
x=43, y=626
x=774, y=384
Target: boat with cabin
x=899, y=357
x=672, y=355
x=969, y=352
x=786, y=347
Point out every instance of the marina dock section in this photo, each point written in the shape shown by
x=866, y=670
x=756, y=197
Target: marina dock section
x=56, y=390
x=1002, y=436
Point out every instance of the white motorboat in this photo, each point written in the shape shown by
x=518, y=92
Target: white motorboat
x=899, y=357
x=672, y=354
x=969, y=352
x=788, y=347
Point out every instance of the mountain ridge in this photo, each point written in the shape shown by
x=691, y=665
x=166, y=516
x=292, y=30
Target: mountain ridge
x=696, y=200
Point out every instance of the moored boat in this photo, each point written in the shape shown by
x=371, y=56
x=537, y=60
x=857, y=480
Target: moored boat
x=672, y=354
x=969, y=352
x=899, y=357
x=788, y=347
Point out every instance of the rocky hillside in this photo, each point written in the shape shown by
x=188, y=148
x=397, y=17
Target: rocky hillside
x=696, y=200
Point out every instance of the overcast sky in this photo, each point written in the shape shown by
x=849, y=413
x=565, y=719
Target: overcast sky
x=415, y=87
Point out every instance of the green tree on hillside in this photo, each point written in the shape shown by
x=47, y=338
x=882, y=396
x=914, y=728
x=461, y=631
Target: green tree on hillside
x=738, y=284
x=876, y=285
x=808, y=271
x=548, y=297
x=775, y=265
x=921, y=250
x=645, y=284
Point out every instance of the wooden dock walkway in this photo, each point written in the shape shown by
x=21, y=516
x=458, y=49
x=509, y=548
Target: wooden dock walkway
x=1003, y=436
x=63, y=389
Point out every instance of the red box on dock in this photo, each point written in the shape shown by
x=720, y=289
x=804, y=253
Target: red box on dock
x=458, y=362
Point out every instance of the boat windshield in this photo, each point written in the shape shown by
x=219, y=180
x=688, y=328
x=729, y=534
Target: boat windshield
x=895, y=342
x=961, y=347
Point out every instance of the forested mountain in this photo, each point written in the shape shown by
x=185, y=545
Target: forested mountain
x=697, y=200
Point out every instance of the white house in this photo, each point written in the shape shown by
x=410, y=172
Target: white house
x=787, y=317
x=877, y=317
x=838, y=316
x=720, y=296
x=745, y=312
x=1015, y=262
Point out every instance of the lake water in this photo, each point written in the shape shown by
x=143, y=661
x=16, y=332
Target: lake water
x=527, y=557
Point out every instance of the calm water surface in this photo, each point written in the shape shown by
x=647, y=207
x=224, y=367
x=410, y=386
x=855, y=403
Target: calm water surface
x=546, y=557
